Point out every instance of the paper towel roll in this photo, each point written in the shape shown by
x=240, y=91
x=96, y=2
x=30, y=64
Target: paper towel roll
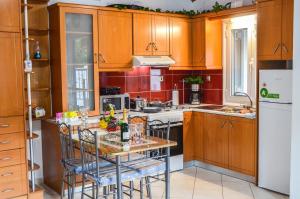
x=175, y=98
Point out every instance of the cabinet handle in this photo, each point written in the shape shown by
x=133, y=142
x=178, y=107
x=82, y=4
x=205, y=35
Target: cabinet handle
x=224, y=123
x=150, y=44
x=96, y=58
x=101, y=58
x=7, y=174
x=4, y=142
x=5, y=159
x=275, y=49
x=4, y=125
x=285, y=48
x=7, y=190
x=231, y=125
x=154, y=46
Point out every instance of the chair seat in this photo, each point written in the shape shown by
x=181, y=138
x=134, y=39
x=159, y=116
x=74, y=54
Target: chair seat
x=107, y=175
x=147, y=166
x=75, y=165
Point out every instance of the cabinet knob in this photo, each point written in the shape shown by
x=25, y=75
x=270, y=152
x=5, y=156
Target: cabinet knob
x=7, y=190
x=5, y=158
x=148, y=46
x=276, y=48
x=285, y=48
x=7, y=174
x=223, y=124
x=102, y=58
x=4, y=142
x=154, y=46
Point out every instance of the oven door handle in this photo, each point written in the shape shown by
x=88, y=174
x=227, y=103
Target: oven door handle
x=165, y=126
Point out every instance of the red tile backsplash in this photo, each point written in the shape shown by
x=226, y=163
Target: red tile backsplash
x=137, y=83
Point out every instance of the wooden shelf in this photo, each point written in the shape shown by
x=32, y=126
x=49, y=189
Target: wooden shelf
x=34, y=135
x=35, y=166
x=40, y=60
x=39, y=89
x=37, y=32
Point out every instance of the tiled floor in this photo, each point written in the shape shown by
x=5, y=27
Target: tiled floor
x=197, y=183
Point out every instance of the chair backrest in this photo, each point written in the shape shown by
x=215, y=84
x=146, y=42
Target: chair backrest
x=67, y=146
x=139, y=120
x=159, y=129
x=89, y=151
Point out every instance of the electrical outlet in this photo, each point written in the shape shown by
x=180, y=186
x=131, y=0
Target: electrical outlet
x=161, y=78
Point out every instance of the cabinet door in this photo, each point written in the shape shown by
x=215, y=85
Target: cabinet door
x=160, y=35
x=198, y=41
x=188, y=137
x=142, y=34
x=10, y=15
x=181, y=42
x=269, y=30
x=287, y=29
x=216, y=140
x=242, y=146
x=115, y=40
x=11, y=76
x=80, y=78
x=198, y=125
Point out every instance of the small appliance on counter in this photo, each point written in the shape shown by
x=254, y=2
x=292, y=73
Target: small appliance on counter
x=175, y=96
x=119, y=102
x=138, y=103
x=195, y=94
x=110, y=91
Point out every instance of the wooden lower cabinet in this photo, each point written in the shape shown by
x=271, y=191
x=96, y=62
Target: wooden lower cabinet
x=216, y=140
x=188, y=136
x=224, y=141
x=242, y=145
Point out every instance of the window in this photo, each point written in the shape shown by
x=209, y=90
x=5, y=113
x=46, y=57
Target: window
x=239, y=50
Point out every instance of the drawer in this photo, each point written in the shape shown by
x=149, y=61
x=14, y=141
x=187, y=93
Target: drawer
x=12, y=157
x=12, y=141
x=13, y=189
x=12, y=173
x=11, y=124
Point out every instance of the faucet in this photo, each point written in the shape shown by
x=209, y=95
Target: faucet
x=245, y=95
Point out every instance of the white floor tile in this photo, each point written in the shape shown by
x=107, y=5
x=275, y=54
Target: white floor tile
x=209, y=176
x=237, y=190
x=260, y=193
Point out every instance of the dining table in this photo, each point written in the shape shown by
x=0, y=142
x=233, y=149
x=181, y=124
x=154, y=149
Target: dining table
x=109, y=144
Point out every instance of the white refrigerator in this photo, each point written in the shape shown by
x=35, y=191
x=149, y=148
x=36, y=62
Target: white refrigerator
x=275, y=114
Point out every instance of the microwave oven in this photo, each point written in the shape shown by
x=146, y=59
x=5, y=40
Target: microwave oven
x=118, y=101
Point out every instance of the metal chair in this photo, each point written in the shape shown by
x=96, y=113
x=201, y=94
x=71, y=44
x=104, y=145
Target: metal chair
x=99, y=175
x=71, y=165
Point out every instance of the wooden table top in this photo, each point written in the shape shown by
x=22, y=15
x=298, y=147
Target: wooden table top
x=109, y=144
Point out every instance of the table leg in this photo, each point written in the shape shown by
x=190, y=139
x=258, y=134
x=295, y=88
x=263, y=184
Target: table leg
x=167, y=174
x=119, y=184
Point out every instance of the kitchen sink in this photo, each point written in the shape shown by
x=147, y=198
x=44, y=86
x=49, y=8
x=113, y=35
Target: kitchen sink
x=227, y=109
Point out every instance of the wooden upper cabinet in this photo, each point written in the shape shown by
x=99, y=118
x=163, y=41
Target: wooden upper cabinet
x=160, y=35
x=216, y=140
x=188, y=137
x=287, y=29
x=10, y=15
x=74, y=59
x=151, y=34
x=275, y=30
x=115, y=40
x=242, y=145
x=207, y=43
x=181, y=42
x=142, y=34
x=11, y=76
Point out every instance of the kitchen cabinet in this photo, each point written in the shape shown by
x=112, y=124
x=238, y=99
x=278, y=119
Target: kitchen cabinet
x=10, y=15
x=74, y=56
x=151, y=34
x=115, y=40
x=207, y=43
x=188, y=137
x=11, y=76
x=275, y=29
x=242, y=145
x=198, y=130
x=181, y=42
x=216, y=140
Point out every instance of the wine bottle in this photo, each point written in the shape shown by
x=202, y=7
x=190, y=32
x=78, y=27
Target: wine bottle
x=125, y=134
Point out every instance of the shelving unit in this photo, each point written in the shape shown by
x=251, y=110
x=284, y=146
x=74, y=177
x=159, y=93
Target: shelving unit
x=38, y=89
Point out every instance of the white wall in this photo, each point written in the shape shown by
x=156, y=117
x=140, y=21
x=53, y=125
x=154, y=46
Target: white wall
x=295, y=158
x=163, y=4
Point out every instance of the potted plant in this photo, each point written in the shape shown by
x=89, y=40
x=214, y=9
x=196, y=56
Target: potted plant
x=195, y=82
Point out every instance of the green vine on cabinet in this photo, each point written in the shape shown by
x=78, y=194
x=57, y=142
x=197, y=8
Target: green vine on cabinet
x=217, y=7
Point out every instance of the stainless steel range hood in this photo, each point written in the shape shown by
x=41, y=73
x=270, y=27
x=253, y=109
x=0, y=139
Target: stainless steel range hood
x=158, y=61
